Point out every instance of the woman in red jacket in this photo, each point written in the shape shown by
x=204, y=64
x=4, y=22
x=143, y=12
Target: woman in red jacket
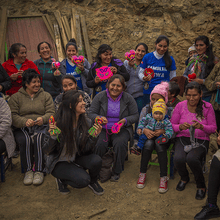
x=16, y=65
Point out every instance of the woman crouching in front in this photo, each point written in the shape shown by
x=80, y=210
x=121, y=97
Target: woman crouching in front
x=69, y=155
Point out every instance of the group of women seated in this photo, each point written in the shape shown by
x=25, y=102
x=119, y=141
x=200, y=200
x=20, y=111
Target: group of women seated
x=66, y=149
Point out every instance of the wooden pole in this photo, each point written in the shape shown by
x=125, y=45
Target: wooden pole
x=49, y=21
x=67, y=26
x=85, y=37
x=48, y=27
x=3, y=28
x=74, y=22
x=78, y=35
x=63, y=35
x=73, y=35
x=60, y=53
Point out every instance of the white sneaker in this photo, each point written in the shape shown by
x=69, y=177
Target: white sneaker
x=28, y=177
x=38, y=178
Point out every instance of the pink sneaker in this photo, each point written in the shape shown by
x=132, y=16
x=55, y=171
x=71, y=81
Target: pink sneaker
x=163, y=184
x=141, y=180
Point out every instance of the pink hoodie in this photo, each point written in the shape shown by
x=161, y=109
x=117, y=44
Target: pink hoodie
x=181, y=114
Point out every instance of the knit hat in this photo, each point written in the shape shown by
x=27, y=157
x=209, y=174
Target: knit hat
x=160, y=106
x=161, y=89
x=192, y=48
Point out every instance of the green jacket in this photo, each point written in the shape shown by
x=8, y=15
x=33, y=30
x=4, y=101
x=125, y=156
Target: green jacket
x=23, y=107
x=210, y=82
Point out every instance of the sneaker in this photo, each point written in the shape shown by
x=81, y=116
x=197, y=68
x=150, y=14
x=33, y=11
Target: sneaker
x=163, y=184
x=38, y=178
x=141, y=181
x=96, y=188
x=28, y=177
x=208, y=212
x=62, y=188
x=135, y=150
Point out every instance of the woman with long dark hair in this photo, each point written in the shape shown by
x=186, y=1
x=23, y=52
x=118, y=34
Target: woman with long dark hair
x=16, y=65
x=193, y=120
x=70, y=67
x=70, y=154
x=104, y=57
x=161, y=62
x=202, y=64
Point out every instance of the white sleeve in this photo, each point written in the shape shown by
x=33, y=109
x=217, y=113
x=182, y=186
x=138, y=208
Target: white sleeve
x=172, y=74
x=141, y=74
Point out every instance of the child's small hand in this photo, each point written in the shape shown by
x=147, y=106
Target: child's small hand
x=139, y=131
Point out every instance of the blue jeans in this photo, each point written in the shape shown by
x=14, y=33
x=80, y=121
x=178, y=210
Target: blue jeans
x=142, y=140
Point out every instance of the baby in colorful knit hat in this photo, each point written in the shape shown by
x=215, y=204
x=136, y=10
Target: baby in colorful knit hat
x=155, y=121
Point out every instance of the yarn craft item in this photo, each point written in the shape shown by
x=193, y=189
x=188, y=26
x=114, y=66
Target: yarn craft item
x=77, y=60
x=149, y=71
x=53, y=60
x=55, y=131
x=56, y=65
x=116, y=128
x=92, y=130
x=130, y=55
x=191, y=76
x=104, y=73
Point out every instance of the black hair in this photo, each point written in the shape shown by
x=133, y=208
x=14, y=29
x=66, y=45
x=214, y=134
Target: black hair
x=199, y=108
x=73, y=44
x=38, y=46
x=102, y=49
x=69, y=77
x=14, y=49
x=28, y=75
x=117, y=76
x=211, y=57
x=166, y=56
x=144, y=45
x=66, y=119
x=73, y=40
x=174, y=88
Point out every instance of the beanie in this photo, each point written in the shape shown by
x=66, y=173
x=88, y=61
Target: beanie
x=160, y=106
x=192, y=48
x=161, y=89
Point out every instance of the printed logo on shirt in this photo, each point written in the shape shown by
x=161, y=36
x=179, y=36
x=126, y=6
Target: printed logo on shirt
x=158, y=68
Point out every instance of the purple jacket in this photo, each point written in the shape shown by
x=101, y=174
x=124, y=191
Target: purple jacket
x=181, y=114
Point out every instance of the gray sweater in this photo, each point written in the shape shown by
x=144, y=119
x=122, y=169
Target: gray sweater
x=134, y=85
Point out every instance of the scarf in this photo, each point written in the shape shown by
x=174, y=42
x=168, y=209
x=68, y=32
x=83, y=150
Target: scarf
x=198, y=60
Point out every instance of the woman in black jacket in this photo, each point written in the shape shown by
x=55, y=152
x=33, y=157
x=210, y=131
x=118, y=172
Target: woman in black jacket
x=5, y=81
x=70, y=154
x=104, y=57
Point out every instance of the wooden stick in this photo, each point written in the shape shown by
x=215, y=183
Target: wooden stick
x=97, y=213
x=86, y=39
x=3, y=28
x=74, y=22
x=58, y=43
x=25, y=16
x=48, y=27
x=63, y=35
x=49, y=22
x=73, y=35
x=67, y=25
x=65, y=28
x=78, y=35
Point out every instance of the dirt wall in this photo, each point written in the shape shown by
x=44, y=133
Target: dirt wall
x=124, y=23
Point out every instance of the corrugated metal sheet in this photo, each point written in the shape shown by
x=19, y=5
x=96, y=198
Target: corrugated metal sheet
x=30, y=32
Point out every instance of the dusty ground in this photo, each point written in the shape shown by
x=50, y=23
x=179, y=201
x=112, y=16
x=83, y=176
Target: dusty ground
x=121, y=200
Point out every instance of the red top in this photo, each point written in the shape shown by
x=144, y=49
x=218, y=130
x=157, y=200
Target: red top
x=10, y=68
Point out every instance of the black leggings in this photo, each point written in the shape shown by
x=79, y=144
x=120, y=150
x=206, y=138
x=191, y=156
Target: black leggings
x=74, y=173
x=214, y=181
x=149, y=146
x=193, y=159
x=28, y=149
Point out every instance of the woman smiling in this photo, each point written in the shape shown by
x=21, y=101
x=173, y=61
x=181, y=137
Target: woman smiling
x=115, y=106
x=31, y=109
